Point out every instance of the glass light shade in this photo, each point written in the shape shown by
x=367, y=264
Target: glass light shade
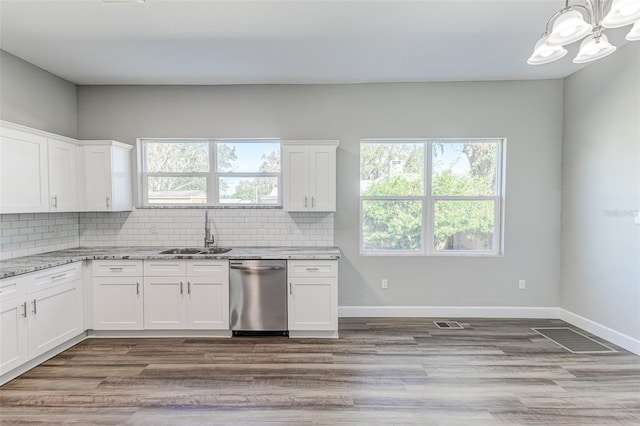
x=622, y=13
x=568, y=28
x=634, y=34
x=593, y=48
x=543, y=53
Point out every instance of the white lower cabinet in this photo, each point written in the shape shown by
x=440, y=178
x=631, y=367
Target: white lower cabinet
x=44, y=311
x=313, y=298
x=55, y=316
x=14, y=350
x=186, y=294
x=117, y=295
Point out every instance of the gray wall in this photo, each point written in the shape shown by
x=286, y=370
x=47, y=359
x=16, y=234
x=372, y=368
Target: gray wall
x=36, y=98
x=529, y=114
x=601, y=191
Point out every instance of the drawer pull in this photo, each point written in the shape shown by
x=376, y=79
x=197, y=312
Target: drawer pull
x=115, y=268
x=312, y=269
x=55, y=277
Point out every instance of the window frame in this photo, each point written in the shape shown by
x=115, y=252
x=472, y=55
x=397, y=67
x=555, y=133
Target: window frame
x=213, y=176
x=429, y=201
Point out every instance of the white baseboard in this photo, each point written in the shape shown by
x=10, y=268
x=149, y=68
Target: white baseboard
x=448, y=311
x=627, y=342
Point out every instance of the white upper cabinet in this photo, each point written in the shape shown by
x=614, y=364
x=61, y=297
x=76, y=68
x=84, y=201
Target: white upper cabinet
x=309, y=175
x=24, y=171
x=63, y=181
x=107, y=176
x=43, y=172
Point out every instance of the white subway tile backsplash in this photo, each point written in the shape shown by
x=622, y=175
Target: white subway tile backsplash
x=34, y=233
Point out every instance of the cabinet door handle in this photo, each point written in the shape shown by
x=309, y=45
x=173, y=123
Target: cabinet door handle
x=137, y=287
x=24, y=309
x=313, y=201
x=305, y=201
x=181, y=287
x=54, y=201
x=188, y=287
x=108, y=201
x=291, y=289
x=35, y=307
x=55, y=277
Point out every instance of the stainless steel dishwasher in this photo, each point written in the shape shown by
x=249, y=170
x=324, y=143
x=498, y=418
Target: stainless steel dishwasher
x=258, y=297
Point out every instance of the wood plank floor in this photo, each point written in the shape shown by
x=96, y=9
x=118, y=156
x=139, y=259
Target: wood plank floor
x=380, y=372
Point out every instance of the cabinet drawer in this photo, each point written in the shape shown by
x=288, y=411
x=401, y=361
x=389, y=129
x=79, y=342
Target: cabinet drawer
x=14, y=287
x=54, y=276
x=207, y=267
x=117, y=268
x=312, y=268
x=165, y=268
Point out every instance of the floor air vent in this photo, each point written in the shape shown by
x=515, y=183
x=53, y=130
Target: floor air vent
x=448, y=324
x=573, y=341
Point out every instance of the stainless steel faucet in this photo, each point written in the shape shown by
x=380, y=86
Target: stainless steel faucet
x=209, y=239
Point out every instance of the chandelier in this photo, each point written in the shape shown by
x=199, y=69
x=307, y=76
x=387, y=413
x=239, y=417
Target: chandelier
x=586, y=22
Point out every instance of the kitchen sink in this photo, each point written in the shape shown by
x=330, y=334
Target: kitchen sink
x=215, y=250
x=195, y=250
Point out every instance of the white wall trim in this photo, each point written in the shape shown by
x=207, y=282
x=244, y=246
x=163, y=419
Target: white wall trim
x=449, y=311
x=624, y=341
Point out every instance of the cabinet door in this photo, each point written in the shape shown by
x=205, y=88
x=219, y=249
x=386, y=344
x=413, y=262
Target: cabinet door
x=121, y=180
x=98, y=190
x=55, y=315
x=295, y=178
x=322, y=178
x=208, y=302
x=313, y=303
x=117, y=303
x=24, y=174
x=164, y=303
x=13, y=334
x=62, y=176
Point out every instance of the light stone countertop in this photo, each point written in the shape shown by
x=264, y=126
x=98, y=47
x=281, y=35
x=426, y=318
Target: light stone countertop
x=26, y=264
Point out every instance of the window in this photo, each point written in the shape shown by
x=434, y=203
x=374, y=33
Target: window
x=210, y=172
x=430, y=196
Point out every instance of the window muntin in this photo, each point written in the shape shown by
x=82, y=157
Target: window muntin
x=210, y=172
x=457, y=185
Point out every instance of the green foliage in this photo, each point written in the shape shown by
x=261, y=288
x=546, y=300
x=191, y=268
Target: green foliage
x=393, y=224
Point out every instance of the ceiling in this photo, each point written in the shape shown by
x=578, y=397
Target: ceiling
x=271, y=42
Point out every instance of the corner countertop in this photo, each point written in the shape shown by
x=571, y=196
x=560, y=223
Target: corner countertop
x=26, y=264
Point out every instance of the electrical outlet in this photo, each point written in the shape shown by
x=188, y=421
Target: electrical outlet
x=384, y=283
x=522, y=284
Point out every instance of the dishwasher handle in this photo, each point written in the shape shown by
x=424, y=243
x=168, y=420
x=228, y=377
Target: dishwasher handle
x=241, y=267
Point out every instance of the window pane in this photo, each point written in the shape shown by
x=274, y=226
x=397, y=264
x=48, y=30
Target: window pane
x=177, y=190
x=177, y=157
x=464, y=224
x=248, y=157
x=391, y=225
x=392, y=169
x=248, y=190
x=466, y=169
